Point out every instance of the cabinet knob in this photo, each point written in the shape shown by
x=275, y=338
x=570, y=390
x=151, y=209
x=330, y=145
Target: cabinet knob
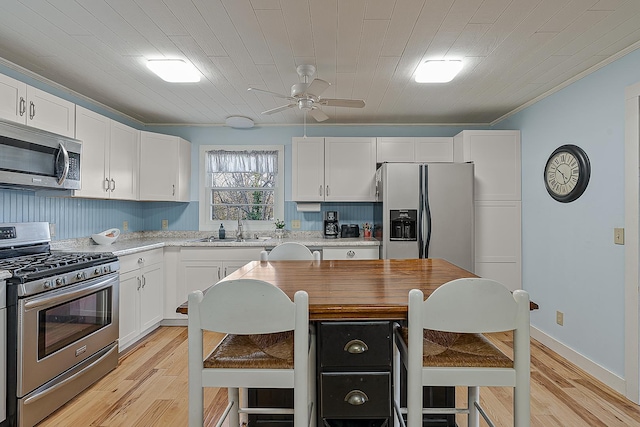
x=356, y=347
x=140, y=260
x=351, y=254
x=356, y=397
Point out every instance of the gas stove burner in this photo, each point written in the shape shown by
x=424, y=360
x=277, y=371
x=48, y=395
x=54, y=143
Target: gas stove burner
x=43, y=265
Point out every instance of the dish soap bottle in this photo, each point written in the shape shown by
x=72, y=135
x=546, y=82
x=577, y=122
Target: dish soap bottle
x=221, y=232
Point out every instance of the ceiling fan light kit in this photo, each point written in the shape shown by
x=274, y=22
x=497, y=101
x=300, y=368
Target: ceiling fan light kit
x=441, y=71
x=238, y=122
x=306, y=96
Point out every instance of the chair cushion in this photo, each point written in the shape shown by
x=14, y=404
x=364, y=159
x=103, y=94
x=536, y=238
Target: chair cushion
x=451, y=349
x=274, y=351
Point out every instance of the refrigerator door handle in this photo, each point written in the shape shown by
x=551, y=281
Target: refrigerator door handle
x=425, y=218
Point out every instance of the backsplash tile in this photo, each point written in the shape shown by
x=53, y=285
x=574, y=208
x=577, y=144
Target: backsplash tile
x=75, y=218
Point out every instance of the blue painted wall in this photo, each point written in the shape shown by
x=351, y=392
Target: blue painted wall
x=570, y=262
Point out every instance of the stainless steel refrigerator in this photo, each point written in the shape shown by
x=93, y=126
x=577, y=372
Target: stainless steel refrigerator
x=426, y=211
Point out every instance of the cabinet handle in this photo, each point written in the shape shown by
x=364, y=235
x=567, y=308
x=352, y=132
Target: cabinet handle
x=144, y=281
x=219, y=278
x=139, y=283
x=113, y=181
x=356, y=397
x=22, y=106
x=173, y=192
x=351, y=254
x=356, y=347
x=32, y=110
x=106, y=180
x=327, y=190
x=320, y=190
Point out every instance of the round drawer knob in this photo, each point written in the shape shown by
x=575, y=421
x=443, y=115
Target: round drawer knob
x=356, y=347
x=356, y=398
x=351, y=254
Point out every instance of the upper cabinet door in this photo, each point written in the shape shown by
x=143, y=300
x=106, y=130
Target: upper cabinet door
x=165, y=167
x=497, y=159
x=397, y=149
x=308, y=169
x=13, y=100
x=415, y=149
x=50, y=113
x=123, y=162
x=93, y=130
x=350, y=168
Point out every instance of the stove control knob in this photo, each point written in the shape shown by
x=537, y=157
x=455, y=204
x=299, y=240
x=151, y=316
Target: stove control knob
x=97, y=271
x=48, y=284
x=59, y=282
x=107, y=269
x=80, y=275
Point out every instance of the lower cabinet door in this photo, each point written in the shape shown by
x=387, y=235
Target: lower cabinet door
x=355, y=395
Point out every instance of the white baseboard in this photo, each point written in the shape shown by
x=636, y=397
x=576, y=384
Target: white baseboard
x=601, y=374
x=174, y=322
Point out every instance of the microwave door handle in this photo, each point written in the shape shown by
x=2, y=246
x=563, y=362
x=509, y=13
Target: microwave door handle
x=66, y=163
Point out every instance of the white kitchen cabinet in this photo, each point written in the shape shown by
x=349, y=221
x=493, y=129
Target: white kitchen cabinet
x=333, y=169
x=414, y=149
x=498, y=242
x=28, y=105
x=497, y=159
x=165, y=167
x=498, y=217
x=109, y=157
x=351, y=252
x=141, y=295
x=201, y=267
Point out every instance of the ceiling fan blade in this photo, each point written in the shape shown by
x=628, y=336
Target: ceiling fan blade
x=278, y=109
x=279, y=95
x=351, y=103
x=317, y=86
x=318, y=114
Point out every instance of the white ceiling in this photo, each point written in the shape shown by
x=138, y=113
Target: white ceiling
x=514, y=51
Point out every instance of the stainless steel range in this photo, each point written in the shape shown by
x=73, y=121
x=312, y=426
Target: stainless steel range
x=62, y=321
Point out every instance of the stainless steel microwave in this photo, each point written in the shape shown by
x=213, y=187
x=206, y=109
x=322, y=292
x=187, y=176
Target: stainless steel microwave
x=32, y=158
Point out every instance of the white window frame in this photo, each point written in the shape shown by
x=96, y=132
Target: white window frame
x=248, y=225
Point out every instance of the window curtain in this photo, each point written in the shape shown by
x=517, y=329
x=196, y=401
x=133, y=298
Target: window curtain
x=242, y=161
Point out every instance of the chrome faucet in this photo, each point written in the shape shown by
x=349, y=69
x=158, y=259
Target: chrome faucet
x=239, y=232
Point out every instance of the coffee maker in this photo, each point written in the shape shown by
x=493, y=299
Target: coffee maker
x=331, y=230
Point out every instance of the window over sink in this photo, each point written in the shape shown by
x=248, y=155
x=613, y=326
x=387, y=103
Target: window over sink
x=241, y=182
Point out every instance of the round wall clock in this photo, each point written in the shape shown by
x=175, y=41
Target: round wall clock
x=567, y=173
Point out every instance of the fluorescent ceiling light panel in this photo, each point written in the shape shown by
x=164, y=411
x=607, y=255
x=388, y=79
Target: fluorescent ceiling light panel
x=174, y=70
x=437, y=71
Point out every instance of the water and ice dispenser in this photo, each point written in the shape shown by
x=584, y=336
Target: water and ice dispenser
x=404, y=224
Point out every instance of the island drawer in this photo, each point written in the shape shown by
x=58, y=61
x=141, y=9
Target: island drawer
x=355, y=395
x=355, y=345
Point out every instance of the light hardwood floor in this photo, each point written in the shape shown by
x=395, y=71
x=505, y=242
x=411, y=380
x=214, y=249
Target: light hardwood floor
x=149, y=388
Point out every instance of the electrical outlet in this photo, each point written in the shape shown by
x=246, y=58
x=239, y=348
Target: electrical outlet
x=125, y=225
x=52, y=229
x=295, y=223
x=618, y=236
x=165, y=224
x=560, y=318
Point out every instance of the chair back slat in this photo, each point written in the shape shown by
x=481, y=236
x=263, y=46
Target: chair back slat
x=290, y=251
x=470, y=305
x=246, y=307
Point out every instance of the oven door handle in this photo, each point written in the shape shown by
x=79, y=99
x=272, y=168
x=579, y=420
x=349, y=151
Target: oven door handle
x=53, y=300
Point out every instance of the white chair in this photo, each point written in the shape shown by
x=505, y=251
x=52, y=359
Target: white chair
x=267, y=346
x=443, y=346
x=290, y=251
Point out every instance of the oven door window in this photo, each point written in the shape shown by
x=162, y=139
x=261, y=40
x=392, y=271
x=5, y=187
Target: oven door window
x=73, y=320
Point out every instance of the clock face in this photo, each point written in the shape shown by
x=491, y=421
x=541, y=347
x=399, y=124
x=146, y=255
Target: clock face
x=567, y=173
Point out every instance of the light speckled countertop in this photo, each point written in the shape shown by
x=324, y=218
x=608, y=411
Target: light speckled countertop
x=130, y=243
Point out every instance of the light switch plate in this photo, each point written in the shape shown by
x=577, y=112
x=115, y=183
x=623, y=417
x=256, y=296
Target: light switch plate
x=125, y=225
x=560, y=318
x=618, y=236
x=295, y=223
x=165, y=224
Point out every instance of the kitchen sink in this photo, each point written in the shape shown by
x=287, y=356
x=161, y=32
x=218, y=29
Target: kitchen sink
x=215, y=239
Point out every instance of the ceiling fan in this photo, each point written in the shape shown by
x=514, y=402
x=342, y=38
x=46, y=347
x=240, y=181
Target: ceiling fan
x=306, y=96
